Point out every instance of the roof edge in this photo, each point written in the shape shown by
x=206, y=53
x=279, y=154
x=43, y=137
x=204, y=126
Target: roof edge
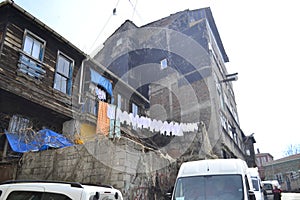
x=20, y=9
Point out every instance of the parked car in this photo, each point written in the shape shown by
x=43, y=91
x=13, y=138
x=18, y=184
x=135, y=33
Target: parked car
x=221, y=179
x=56, y=190
x=268, y=186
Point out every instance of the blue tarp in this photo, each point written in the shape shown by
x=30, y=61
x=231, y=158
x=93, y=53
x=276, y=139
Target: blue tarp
x=45, y=139
x=100, y=80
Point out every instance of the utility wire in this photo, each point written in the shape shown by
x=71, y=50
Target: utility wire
x=135, y=10
x=113, y=13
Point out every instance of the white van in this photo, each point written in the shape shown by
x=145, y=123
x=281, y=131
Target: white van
x=47, y=190
x=221, y=179
x=256, y=182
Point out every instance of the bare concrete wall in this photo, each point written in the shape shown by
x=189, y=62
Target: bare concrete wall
x=139, y=172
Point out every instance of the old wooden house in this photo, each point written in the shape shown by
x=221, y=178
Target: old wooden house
x=37, y=70
x=47, y=82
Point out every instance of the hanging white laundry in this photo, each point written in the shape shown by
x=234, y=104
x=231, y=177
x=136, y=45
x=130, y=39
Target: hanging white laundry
x=139, y=122
x=163, y=127
x=169, y=128
x=152, y=125
x=158, y=125
x=121, y=117
x=111, y=109
x=189, y=127
x=133, y=120
x=195, y=127
x=145, y=122
x=119, y=113
x=177, y=129
x=101, y=95
x=126, y=117
x=183, y=127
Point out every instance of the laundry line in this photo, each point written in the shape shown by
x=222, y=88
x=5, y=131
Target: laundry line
x=153, y=125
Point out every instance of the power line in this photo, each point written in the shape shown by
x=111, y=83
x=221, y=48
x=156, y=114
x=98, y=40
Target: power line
x=113, y=13
x=135, y=10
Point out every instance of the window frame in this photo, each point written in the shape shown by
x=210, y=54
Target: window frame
x=36, y=38
x=68, y=89
x=164, y=63
x=28, y=63
x=134, y=111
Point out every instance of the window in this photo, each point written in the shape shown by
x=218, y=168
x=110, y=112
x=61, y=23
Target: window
x=230, y=130
x=294, y=175
x=63, y=74
x=119, y=42
x=16, y=195
x=220, y=93
x=209, y=187
x=52, y=196
x=263, y=160
x=31, y=58
x=279, y=178
x=258, y=162
x=255, y=183
x=33, y=46
x=248, y=152
x=134, y=109
x=164, y=63
x=223, y=121
x=34, y=195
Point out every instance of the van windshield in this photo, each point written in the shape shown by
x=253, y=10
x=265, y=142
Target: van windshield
x=219, y=187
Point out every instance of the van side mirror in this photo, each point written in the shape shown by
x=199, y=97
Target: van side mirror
x=97, y=196
x=251, y=195
x=116, y=195
x=168, y=196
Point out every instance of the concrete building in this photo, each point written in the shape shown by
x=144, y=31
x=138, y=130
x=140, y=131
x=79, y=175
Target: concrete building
x=178, y=63
x=286, y=171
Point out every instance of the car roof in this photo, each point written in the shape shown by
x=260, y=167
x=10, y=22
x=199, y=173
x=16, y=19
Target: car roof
x=213, y=167
x=72, y=189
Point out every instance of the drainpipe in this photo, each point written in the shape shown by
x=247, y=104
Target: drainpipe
x=81, y=81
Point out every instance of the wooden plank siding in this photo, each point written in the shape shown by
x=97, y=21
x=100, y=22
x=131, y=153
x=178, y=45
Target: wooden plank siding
x=13, y=24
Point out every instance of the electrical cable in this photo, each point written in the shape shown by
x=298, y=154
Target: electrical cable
x=114, y=12
x=135, y=10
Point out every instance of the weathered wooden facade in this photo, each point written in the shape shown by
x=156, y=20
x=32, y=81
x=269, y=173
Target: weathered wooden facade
x=46, y=82
x=38, y=67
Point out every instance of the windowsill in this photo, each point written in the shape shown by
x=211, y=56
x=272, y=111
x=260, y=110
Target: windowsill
x=32, y=58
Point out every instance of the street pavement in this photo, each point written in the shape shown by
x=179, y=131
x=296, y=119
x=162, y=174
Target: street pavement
x=290, y=196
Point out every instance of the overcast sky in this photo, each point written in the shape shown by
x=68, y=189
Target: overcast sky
x=261, y=39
